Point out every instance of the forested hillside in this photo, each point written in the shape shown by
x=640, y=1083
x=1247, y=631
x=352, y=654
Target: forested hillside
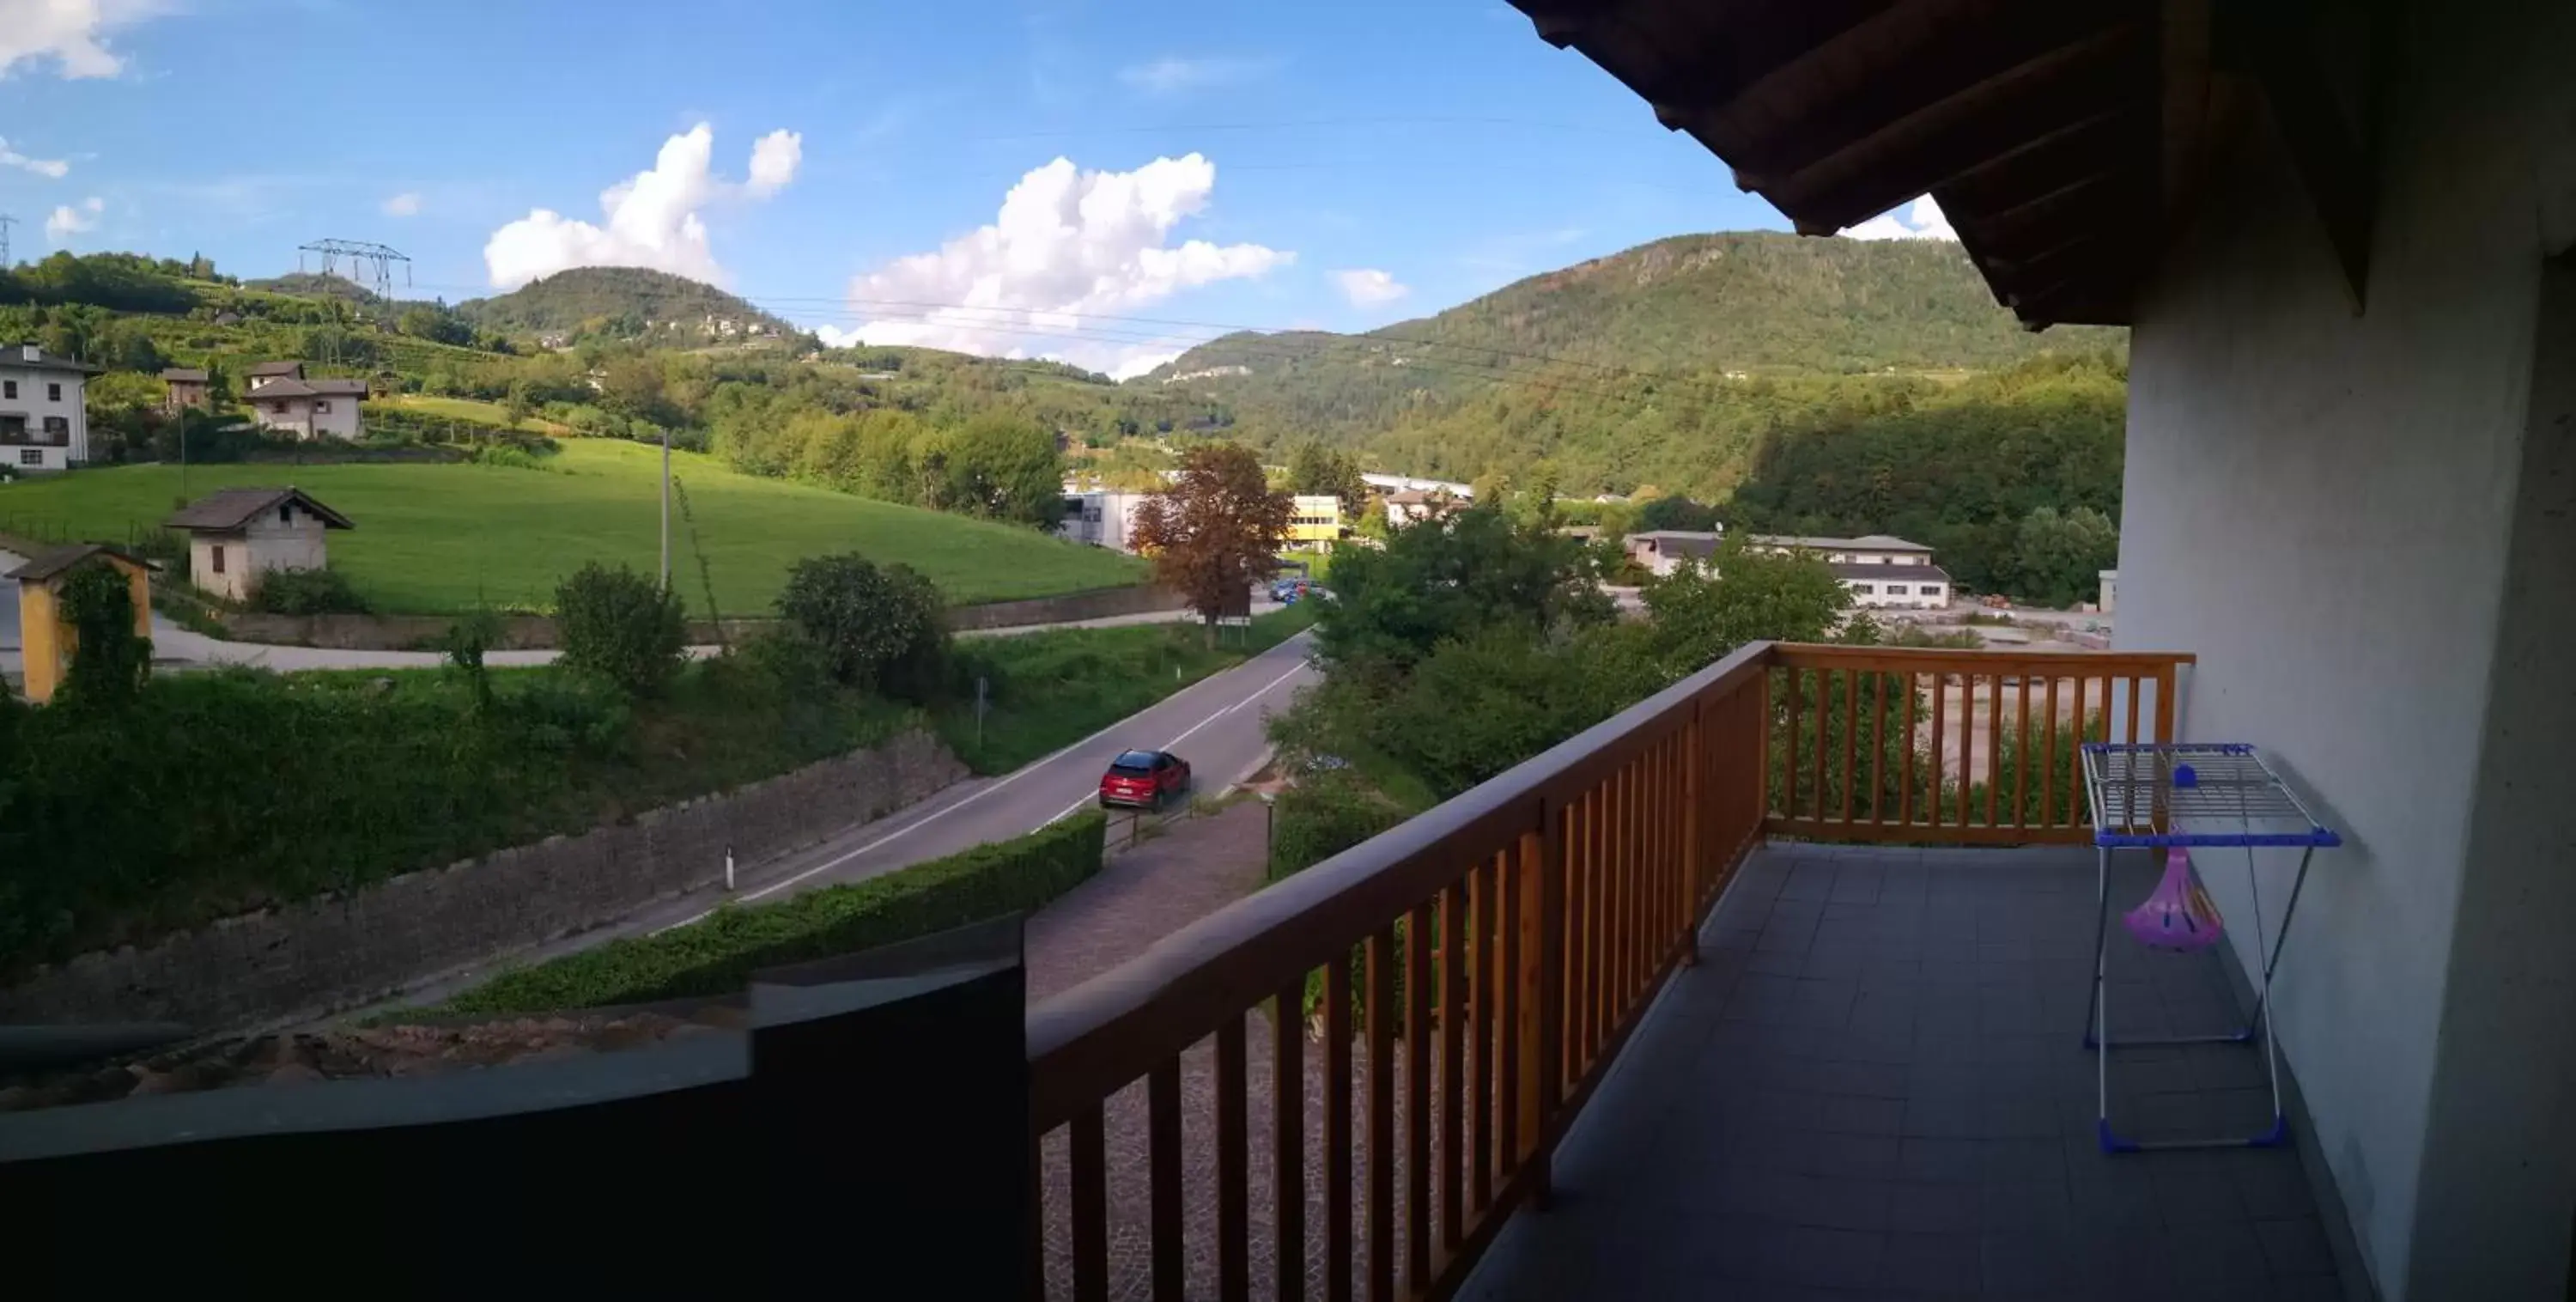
x=619, y=302
x=2013, y=478
x=1660, y=366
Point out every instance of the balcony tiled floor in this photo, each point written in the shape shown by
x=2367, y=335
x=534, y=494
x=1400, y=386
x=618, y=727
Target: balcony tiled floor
x=1874, y=1085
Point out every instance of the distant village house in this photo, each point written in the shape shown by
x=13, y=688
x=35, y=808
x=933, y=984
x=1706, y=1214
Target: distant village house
x=1661, y=551
x=44, y=417
x=188, y=387
x=1879, y=571
x=239, y=534
x=281, y=399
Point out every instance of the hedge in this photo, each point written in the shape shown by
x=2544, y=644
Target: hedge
x=719, y=955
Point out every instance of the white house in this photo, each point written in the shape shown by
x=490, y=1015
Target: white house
x=44, y=421
x=1661, y=551
x=239, y=534
x=1100, y=517
x=1405, y=506
x=1878, y=570
x=1413, y=484
x=281, y=399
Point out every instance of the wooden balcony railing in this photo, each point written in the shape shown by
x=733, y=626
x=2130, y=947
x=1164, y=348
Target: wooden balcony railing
x=1903, y=744
x=1451, y=991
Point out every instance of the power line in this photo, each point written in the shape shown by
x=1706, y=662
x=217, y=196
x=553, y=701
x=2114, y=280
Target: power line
x=376, y=260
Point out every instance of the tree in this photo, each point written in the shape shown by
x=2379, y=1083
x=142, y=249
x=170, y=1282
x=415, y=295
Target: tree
x=621, y=626
x=632, y=387
x=1005, y=467
x=877, y=627
x=1215, y=531
x=1319, y=471
x=521, y=402
x=1675, y=512
x=1440, y=579
x=1702, y=612
x=435, y=324
x=2058, y=557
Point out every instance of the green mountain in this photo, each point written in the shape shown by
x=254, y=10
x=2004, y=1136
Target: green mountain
x=1660, y=366
x=623, y=303
x=316, y=284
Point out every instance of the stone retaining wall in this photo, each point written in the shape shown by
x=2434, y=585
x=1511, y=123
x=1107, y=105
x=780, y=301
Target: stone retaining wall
x=537, y=632
x=340, y=951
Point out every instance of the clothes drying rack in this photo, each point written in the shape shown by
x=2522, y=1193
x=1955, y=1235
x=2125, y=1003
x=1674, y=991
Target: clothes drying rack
x=2197, y=795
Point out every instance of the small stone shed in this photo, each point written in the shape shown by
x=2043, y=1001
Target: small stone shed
x=239, y=534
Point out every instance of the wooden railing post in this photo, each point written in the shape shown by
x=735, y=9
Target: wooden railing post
x=1695, y=823
x=1542, y=990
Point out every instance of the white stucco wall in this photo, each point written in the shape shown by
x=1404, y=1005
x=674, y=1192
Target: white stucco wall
x=234, y=583
x=2319, y=505
x=34, y=401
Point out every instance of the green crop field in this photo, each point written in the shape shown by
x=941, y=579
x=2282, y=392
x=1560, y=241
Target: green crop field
x=435, y=539
x=471, y=409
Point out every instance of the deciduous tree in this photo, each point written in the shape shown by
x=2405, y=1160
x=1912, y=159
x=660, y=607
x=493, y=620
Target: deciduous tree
x=1215, y=531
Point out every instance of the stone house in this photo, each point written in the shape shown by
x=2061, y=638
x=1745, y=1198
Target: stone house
x=239, y=534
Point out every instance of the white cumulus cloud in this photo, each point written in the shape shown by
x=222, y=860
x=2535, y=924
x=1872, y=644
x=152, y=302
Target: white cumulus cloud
x=54, y=168
x=1069, y=246
x=70, y=219
x=1369, y=287
x=651, y=219
x=406, y=204
x=71, y=33
x=1922, y=221
x=773, y=162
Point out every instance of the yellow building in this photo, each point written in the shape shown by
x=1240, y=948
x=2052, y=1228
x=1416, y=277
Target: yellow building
x=1315, y=520
x=43, y=633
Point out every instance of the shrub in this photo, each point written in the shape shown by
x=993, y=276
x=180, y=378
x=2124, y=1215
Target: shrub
x=306, y=592
x=877, y=626
x=719, y=955
x=109, y=668
x=1327, y=812
x=620, y=626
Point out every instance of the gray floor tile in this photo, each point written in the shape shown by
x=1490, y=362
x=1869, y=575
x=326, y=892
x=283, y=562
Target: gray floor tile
x=1873, y=1087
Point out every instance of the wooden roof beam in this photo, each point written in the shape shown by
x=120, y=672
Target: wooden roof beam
x=1906, y=62
x=1914, y=154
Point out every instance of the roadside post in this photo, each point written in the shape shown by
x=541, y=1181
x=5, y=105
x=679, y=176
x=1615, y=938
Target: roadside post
x=983, y=687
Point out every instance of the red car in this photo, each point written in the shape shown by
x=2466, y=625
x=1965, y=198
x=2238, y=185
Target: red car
x=1144, y=779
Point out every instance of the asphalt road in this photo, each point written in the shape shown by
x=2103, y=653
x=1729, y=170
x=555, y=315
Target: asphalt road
x=1216, y=724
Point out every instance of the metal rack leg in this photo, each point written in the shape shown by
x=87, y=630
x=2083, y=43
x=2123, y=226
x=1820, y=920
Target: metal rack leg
x=2100, y=1016
x=2280, y=940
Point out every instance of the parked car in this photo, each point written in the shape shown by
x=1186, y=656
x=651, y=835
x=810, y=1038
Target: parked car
x=1287, y=591
x=1144, y=779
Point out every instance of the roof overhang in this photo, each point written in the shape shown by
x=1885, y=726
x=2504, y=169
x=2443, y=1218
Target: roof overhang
x=2056, y=135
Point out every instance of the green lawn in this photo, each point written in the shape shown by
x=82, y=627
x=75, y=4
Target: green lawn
x=436, y=539
x=471, y=409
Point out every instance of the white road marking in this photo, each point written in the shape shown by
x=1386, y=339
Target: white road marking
x=935, y=815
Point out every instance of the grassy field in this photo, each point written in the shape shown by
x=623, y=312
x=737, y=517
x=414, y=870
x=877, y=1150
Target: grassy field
x=472, y=409
x=436, y=539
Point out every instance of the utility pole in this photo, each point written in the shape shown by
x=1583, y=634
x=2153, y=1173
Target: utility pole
x=666, y=508
x=6, y=221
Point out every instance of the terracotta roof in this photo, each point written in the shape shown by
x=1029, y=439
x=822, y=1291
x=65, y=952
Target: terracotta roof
x=2055, y=136
x=311, y=389
x=183, y=375
x=46, y=565
x=233, y=507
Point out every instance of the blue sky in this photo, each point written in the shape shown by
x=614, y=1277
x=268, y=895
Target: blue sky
x=1355, y=163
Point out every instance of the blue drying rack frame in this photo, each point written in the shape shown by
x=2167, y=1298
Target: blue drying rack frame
x=2150, y=796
